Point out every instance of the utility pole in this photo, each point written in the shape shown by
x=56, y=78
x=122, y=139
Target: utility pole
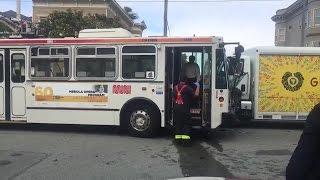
x=165, y=18
x=18, y=10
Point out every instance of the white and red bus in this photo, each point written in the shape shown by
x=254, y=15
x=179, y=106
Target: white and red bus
x=109, y=81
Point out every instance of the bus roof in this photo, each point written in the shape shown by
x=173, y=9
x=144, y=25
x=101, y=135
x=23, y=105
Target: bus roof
x=87, y=41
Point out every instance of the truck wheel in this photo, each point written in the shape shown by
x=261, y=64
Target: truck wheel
x=245, y=116
x=143, y=120
x=229, y=120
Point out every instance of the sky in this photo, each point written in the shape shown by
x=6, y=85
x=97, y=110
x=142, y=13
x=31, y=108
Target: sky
x=245, y=21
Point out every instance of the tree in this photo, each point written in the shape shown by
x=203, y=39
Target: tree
x=4, y=28
x=70, y=23
x=5, y=31
x=130, y=13
x=98, y=21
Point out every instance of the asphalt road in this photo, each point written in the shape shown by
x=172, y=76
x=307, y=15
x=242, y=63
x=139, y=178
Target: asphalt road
x=76, y=152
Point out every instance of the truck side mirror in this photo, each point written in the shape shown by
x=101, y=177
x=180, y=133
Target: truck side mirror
x=238, y=50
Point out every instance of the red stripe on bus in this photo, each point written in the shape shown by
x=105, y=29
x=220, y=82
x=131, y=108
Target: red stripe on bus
x=6, y=42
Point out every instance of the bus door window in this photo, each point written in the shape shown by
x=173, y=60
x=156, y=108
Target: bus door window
x=221, y=74
x=1, y=68
x=181, y=58
x=201, y=55
x=185, y=57
x=18, y=68
x=206, y=68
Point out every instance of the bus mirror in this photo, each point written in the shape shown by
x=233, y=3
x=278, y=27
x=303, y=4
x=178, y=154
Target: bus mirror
x=238, y=50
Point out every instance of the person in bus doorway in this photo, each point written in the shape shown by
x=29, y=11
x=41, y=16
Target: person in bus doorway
x=184, y=93
x=305, y=160
x=192, y=71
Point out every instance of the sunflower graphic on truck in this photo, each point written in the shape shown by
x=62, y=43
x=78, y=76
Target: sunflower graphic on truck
x=292, y=81
x=288, y=83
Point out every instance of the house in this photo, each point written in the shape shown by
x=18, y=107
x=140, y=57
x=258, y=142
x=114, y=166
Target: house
x=298, y=24
x=109, y=8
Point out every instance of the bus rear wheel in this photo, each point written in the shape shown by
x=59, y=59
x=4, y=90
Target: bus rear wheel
x=143, y=121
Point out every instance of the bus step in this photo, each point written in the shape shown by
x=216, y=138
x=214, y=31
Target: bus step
x=195, y=121
x=196, y=118
x=195, y=111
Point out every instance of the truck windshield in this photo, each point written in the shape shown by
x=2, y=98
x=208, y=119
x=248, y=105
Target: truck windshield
x=221, y=76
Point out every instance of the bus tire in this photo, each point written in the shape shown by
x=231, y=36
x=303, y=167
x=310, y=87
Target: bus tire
x=142, y=120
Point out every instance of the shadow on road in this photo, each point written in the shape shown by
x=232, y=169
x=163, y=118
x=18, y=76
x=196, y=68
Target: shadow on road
x=196, y=160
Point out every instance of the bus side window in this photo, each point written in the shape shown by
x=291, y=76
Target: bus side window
x=138, y=62
x=95, y=63
x=49, y=62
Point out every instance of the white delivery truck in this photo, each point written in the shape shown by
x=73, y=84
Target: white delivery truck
x=279, y=83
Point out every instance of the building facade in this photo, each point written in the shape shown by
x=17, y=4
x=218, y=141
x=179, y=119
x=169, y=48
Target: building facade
x=298, y=25
x=109, y=8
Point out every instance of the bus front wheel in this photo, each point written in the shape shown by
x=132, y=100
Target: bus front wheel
x=142, y=120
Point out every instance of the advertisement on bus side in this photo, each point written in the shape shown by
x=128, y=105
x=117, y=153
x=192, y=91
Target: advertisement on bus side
x=76, y=93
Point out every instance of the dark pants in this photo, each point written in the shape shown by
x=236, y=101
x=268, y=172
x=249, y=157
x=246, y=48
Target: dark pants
x=304, y=163
x=305, y=160
x=181, y=116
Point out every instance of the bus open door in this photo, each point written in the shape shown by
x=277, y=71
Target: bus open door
x=176, y=58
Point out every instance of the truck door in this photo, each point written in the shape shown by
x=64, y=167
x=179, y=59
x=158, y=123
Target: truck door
x=17, y=84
